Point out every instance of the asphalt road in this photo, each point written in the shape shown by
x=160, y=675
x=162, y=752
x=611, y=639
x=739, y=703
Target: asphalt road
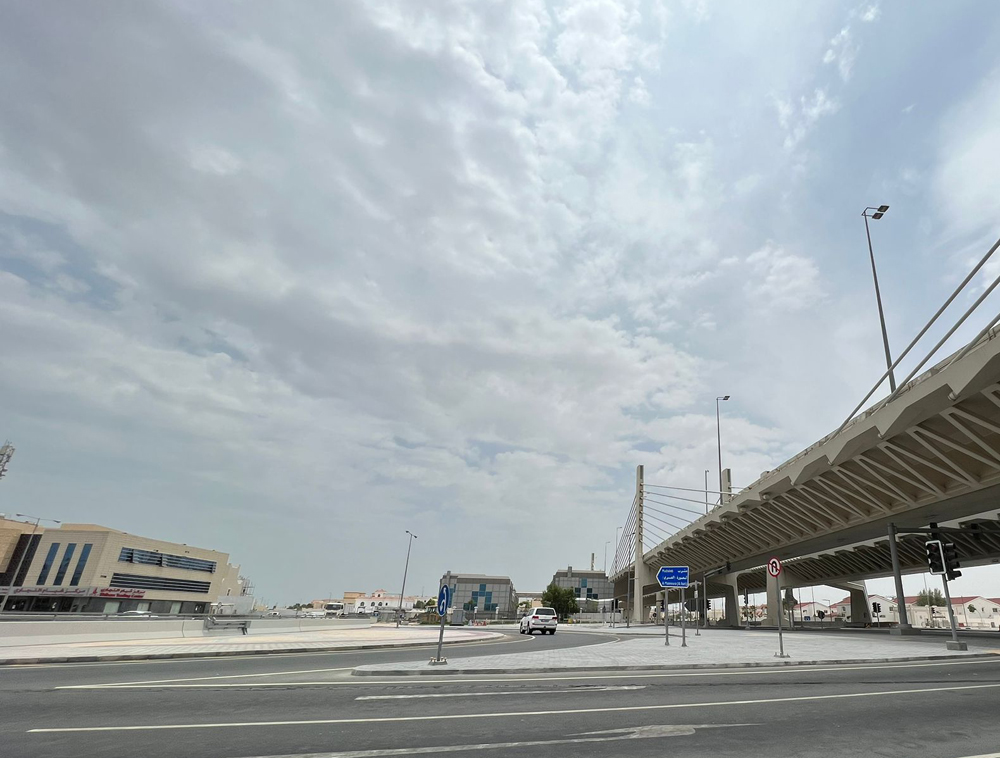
x=304, y=705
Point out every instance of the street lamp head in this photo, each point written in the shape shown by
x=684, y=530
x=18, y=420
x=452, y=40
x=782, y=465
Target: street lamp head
x=724, y=397
x=883, y=208
x=877, y=216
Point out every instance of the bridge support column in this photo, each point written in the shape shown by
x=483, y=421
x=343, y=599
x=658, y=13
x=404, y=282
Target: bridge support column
x=903, y=627
x=860, y=610
x=732, y=598
x=773, y=602
x=643, y=574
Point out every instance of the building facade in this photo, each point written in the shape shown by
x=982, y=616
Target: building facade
x=586, y=585
x=483, y=594
x=88, y=568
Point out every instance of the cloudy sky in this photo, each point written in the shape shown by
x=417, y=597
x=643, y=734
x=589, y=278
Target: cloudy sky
x=287, y=279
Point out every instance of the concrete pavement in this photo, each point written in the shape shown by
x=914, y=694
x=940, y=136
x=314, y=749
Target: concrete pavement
x=941, y=708
x=644, y=649
x=327, y=640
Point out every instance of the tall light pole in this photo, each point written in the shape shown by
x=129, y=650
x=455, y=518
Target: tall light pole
x=878, y=213
x=409, y=544
x=706, y=490
x=617, y=545
x=718, y=435
x=20, y=561
x=606, y=543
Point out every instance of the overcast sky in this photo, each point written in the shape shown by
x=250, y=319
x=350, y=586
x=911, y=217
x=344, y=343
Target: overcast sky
x=285, y=280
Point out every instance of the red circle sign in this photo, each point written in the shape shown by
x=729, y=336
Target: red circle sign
x=773, y=566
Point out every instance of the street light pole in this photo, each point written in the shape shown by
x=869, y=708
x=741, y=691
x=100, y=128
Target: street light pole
x=606, y=543
x=617, y=545
x=718, y=435
x=399, y=613
x=879, y=212
x=20, y=561
x=706, y=491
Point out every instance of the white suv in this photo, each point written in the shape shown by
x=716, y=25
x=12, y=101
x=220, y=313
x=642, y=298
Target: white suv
x=542, y=619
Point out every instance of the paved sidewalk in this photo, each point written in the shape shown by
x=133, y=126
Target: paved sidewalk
x=295, y=642
x=713, y=649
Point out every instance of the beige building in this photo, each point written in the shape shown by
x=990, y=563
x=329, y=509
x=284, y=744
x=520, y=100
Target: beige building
x=95, y=569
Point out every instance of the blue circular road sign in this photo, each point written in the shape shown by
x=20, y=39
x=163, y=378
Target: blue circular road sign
x=444, y=597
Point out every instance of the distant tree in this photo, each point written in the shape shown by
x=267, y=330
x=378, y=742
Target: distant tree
x=934, y=597
x=524, y=605
x=821, y=615
x=972, y=608
x=419, y=604
x=560, y=599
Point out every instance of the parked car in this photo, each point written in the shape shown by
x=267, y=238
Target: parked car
x=139, y=614
x=540, y=619
x=273, y=615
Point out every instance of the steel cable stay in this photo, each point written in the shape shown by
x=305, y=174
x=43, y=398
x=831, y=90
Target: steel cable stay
x=663, y=522
x=688, y=519
x=676, y=497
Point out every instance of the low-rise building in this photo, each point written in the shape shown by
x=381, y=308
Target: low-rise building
x=483, y=594
x=586, y=585
x=94, y=569
x=378, y=600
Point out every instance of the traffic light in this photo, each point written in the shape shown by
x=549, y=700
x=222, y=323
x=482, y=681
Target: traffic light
x=935, y=556
x=708, y=604
x=877, y=608
x=951, y=563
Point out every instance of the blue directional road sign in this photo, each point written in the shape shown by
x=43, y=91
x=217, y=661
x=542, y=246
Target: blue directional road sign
x=444, y=598
x=673, y=576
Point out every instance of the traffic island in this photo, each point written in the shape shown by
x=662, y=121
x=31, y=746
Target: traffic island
x=710, y=650
x=341, y=640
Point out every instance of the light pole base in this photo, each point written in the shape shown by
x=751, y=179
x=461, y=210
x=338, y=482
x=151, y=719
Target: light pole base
x=904, y=631
x=952, y=645
x=782, y=655
x=438, y=662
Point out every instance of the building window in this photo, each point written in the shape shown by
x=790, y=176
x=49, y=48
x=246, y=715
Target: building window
x=64, y=563
x=80, y=565
x=47, y=565
x=152, y=558
x=136, y=581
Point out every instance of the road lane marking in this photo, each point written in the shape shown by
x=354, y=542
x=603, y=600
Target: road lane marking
x=507, y=692
x=515, y=714
x=150, y=682
x=610, y=735
x=419, y=681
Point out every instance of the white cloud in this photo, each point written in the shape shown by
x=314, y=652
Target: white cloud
x=319, y=275
x=871, y=13
x=843, y=51
x=781, y=280
x=638, y=93
x=798, y=119
x=967, y=176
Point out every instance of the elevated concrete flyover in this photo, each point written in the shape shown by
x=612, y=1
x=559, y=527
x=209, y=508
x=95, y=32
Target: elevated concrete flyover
x=929, y=454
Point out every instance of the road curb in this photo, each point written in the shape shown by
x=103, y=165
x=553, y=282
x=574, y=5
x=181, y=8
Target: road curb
x=227, y=653
x=437, y=671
